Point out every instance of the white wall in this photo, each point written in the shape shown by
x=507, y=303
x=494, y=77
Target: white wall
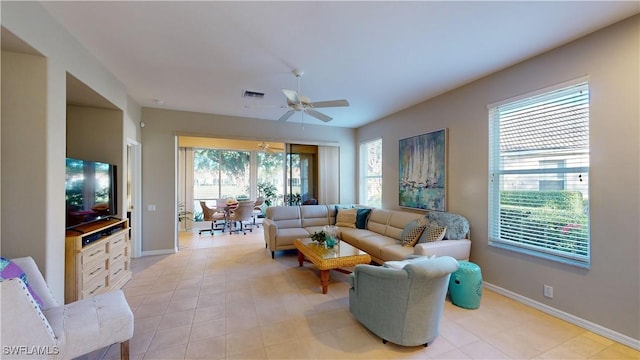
x=609, y=293
x=159, y=160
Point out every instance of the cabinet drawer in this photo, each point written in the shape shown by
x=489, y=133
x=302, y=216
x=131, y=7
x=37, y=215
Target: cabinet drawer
x=99, y=286
x=117, y=269
x=93, y=255
x=118, y=256
x=91, y=275
x=117, y=242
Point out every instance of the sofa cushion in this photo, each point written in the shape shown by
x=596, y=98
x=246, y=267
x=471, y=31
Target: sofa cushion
x=362, y=217
x=374, y=244
x=433, y=232
x=378, y=219
x=353, y=236
x=10, y=270
x=347, y=218
x=314, y=215
x=285, y=216
x=396, y=252
x=412, y=231
x=397, y=222
x=286, y=236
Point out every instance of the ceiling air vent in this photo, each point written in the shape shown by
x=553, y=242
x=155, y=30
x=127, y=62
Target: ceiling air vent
x=252, y=94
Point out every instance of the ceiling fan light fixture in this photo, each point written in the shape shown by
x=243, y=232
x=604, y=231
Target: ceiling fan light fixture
x=298, y=102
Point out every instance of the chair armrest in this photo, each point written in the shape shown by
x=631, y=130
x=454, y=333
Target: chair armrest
x=376, y=276
x=23, y=324
x=36, y=281
x=458, y=249
x=270, y=230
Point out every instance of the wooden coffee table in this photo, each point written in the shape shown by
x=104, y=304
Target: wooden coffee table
x=339, y=256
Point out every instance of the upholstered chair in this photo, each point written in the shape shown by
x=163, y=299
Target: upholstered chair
x=217, y=217
x=44, y=329
x=402, y=305
x=257, y=210
x=242, y=215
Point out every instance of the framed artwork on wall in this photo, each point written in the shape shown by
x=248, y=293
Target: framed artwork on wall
x=423, y=171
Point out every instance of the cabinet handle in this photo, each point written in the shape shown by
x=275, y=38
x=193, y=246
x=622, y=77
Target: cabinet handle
x=95, y=253
x=95, y=271
x=117, y=272
x=96, y=289
x=117, y=257
x=117, y=241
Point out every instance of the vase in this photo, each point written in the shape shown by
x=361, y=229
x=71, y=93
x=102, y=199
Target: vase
x=332, y=232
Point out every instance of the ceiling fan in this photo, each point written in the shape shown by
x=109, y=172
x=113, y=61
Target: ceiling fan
x=267, y=147
x=298, y=102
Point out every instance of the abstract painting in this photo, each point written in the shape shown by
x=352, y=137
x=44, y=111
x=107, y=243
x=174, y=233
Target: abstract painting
x=423, y=171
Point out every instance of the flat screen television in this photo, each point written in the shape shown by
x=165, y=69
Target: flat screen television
x=90, y=188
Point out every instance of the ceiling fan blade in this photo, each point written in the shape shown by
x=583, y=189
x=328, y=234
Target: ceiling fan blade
x=331, y=103
x=318, y=115
x=286, y=115
x=292, y=96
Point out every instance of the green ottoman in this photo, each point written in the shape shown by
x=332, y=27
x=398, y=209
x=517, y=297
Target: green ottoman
x=465, y=286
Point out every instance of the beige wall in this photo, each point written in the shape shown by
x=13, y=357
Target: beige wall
x=90, y=136
x=23, y=161
x=607, y=294
x=33, y=128
x=159, y=160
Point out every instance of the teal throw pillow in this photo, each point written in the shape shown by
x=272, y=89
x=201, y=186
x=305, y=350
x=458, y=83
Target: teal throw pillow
x=362, y=217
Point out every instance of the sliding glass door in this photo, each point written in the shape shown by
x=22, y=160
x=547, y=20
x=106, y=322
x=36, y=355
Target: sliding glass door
x=220, y=174
x=302, y=170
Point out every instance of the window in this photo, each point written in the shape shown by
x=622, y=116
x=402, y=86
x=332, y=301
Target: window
x=220, y=173
x=371, y=173
x=539, y=172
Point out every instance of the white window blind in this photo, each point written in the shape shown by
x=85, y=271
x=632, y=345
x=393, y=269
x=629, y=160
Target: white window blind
x=371, y=173
x=539, y=174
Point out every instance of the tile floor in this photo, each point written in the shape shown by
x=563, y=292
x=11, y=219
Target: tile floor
x=223, y=297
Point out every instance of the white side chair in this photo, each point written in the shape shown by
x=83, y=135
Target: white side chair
x=60, y=331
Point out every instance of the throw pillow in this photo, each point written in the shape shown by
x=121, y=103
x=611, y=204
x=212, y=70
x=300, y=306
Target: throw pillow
x=362, y=217
x=433, y=232
x=396, y=264
x=10, y=270
x=412, y=231
x=346, y=218
x=338, y=207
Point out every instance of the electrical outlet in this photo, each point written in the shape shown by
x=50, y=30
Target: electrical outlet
x=548, y=291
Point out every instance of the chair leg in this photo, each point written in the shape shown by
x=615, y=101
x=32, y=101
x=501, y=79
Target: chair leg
x=124, y=350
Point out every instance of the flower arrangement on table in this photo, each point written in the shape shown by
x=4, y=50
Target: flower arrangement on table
x=319, y=237
x=324, y=239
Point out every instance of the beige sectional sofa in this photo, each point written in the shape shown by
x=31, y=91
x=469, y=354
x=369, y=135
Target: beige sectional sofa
x=380, y=238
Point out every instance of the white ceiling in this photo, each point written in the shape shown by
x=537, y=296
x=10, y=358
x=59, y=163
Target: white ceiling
x=381, y=56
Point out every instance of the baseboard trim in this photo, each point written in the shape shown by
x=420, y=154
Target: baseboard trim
x=585, y=324
x=159, y=252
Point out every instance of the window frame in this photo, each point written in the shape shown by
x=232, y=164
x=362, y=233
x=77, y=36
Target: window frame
x=364, y=173
x=496, y=172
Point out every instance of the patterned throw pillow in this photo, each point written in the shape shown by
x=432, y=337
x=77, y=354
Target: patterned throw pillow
x=412, y=231
x=346, y=218
x=10, y=270
x=433, y=232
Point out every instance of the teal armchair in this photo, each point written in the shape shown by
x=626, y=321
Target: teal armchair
x=403, y=306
